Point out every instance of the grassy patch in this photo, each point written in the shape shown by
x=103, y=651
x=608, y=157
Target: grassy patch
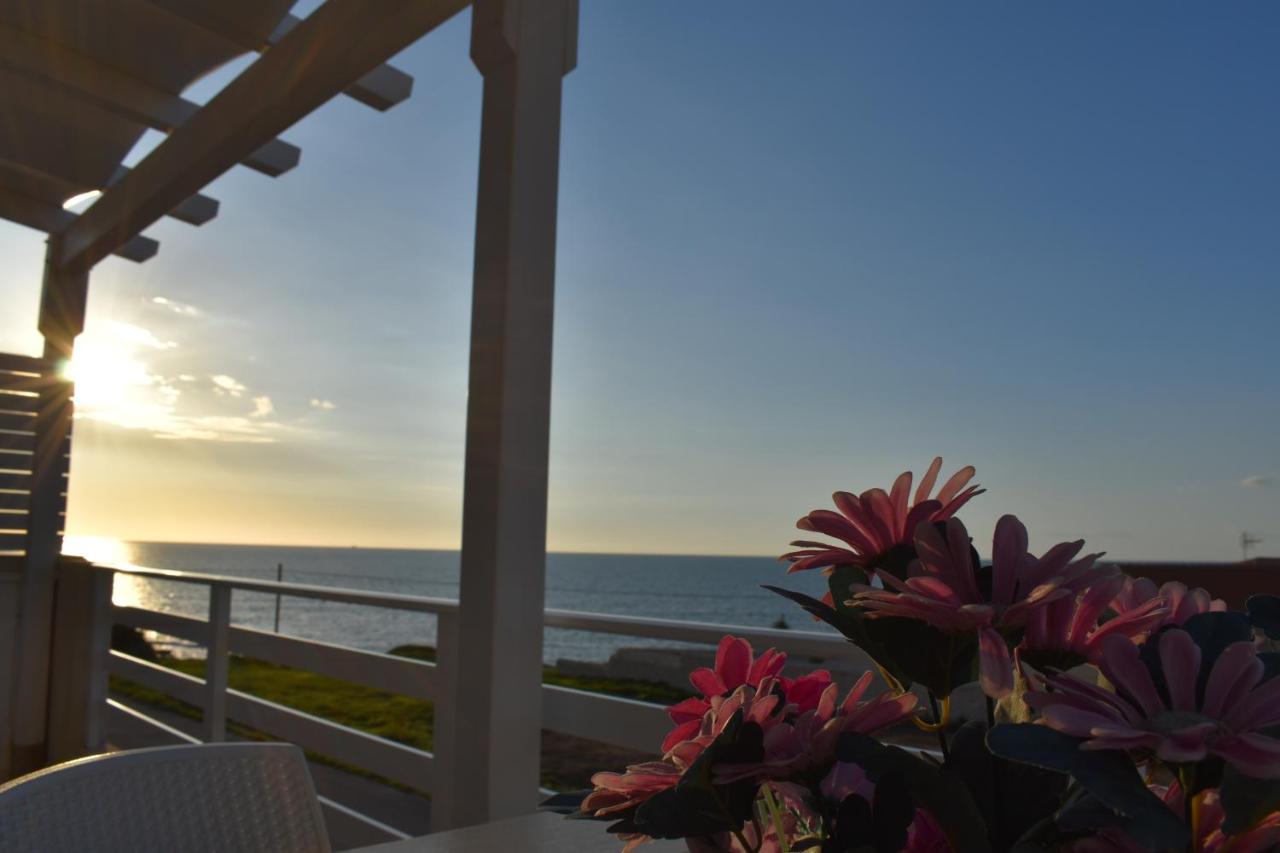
x=399, y=718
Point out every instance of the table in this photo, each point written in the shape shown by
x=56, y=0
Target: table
x=543, y=832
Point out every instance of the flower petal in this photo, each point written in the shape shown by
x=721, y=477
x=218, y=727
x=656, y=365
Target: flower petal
x=1180, y=662
x=995, y=669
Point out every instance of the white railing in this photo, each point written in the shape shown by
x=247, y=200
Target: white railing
x=609, y=719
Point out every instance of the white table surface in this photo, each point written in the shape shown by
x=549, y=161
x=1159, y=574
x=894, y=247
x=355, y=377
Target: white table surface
x=536, y=833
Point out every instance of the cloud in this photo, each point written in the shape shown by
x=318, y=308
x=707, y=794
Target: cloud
x=262, y=406
x=323, y=405
x=127, y=335
x=1258, y=481
x=177, y=307
x=224, y=384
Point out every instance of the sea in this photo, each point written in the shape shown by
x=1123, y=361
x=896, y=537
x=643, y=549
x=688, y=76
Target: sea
x=721, y=590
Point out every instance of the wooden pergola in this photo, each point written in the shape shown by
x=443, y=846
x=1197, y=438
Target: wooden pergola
x=81, y=81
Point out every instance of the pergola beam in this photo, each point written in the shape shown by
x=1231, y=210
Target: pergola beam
x=335, y=46
x=50, y=219
x=382, y=88
x=122, y=94
x=193, y=210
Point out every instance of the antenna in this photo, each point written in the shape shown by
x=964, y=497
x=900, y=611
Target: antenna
x=1247, y=542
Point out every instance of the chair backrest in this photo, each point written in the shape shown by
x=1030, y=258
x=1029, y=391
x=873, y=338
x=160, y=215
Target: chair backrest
x=202, y=797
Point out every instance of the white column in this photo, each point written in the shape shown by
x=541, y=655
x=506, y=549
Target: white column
x=62, y=311
x=523, y=48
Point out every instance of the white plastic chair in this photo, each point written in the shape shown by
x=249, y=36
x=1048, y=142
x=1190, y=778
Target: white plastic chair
x=225, y=797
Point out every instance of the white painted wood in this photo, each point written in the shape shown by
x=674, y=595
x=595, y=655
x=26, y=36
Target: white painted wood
x=61, y=318
x=50, y=219
x=105, y=87
x=217, y=664
x=445, y=723
x=520, y=49
x=393, y=674
x=117, y=710
x=403, y=764
x=331, y=49
x=394, y=601
x=10, y=594
x=608, y=719
x=81, y=643
x=382, y=88
x=169, y=624
x=534, y=833
x=798, y=644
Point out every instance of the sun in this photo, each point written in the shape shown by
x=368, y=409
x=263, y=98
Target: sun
x=114, y=383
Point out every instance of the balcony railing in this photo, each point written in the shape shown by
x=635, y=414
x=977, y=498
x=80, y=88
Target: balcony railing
x=608, y=719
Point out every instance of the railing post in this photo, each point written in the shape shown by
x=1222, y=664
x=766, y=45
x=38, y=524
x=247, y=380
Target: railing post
x=446, y=768
x=79, y=659
x=217, y=662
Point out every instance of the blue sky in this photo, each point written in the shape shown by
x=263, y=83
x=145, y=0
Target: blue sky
x=797, y=253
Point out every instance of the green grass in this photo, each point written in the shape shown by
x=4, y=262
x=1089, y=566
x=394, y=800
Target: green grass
x=399, y=718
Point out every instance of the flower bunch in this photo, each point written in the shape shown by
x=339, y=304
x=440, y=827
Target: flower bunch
x=1119, y=715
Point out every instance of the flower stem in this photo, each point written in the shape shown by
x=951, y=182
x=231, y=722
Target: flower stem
x=996, y=798
x=942, y=732
x=776, y=815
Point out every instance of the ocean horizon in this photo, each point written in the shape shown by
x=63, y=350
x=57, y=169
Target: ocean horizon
x=717, y=589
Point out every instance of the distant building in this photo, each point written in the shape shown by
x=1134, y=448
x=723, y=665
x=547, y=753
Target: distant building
x=1232, y=582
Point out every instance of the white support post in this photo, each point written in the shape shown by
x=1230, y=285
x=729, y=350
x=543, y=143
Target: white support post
x=81, y=654
x=444, y=728
x=523, y=48
x=62, y=310
x=216, y=664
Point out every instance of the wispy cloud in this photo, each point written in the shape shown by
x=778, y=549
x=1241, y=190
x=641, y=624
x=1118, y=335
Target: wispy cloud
x=224, y=384
x=181, y=308
x=1258, y=481
x=323, y=405
x=121, y=380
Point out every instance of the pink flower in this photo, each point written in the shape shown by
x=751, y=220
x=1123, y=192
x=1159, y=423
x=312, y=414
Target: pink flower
x=875, y=522
x=1181, y=603
x=943, y=589
x=1070, y=624
x=1174, y=725
x=618, y=792
x=809, y=739
x=735, y=666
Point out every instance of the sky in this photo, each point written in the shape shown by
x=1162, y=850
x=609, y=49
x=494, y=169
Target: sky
x=797, y=253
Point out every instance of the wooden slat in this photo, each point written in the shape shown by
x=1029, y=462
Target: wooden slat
x=169, y=624
x=396, y=761
x=13, y=542
x=17, y=441
x=13, y=460
x=13, y=521
x=23, y=363
x=25, y=421
x=608, y=719
x=51, y=219
x=381, y=672
x=332, y=48
x=15, y=481
x=14, y=500
x=16, y=401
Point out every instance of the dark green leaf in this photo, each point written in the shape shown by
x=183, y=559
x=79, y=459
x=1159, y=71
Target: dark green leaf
x=936, y=790
x=1012, y=796
x=1246, y=800
x=1107, y=774
x=892, y=813
x=1264, y=612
